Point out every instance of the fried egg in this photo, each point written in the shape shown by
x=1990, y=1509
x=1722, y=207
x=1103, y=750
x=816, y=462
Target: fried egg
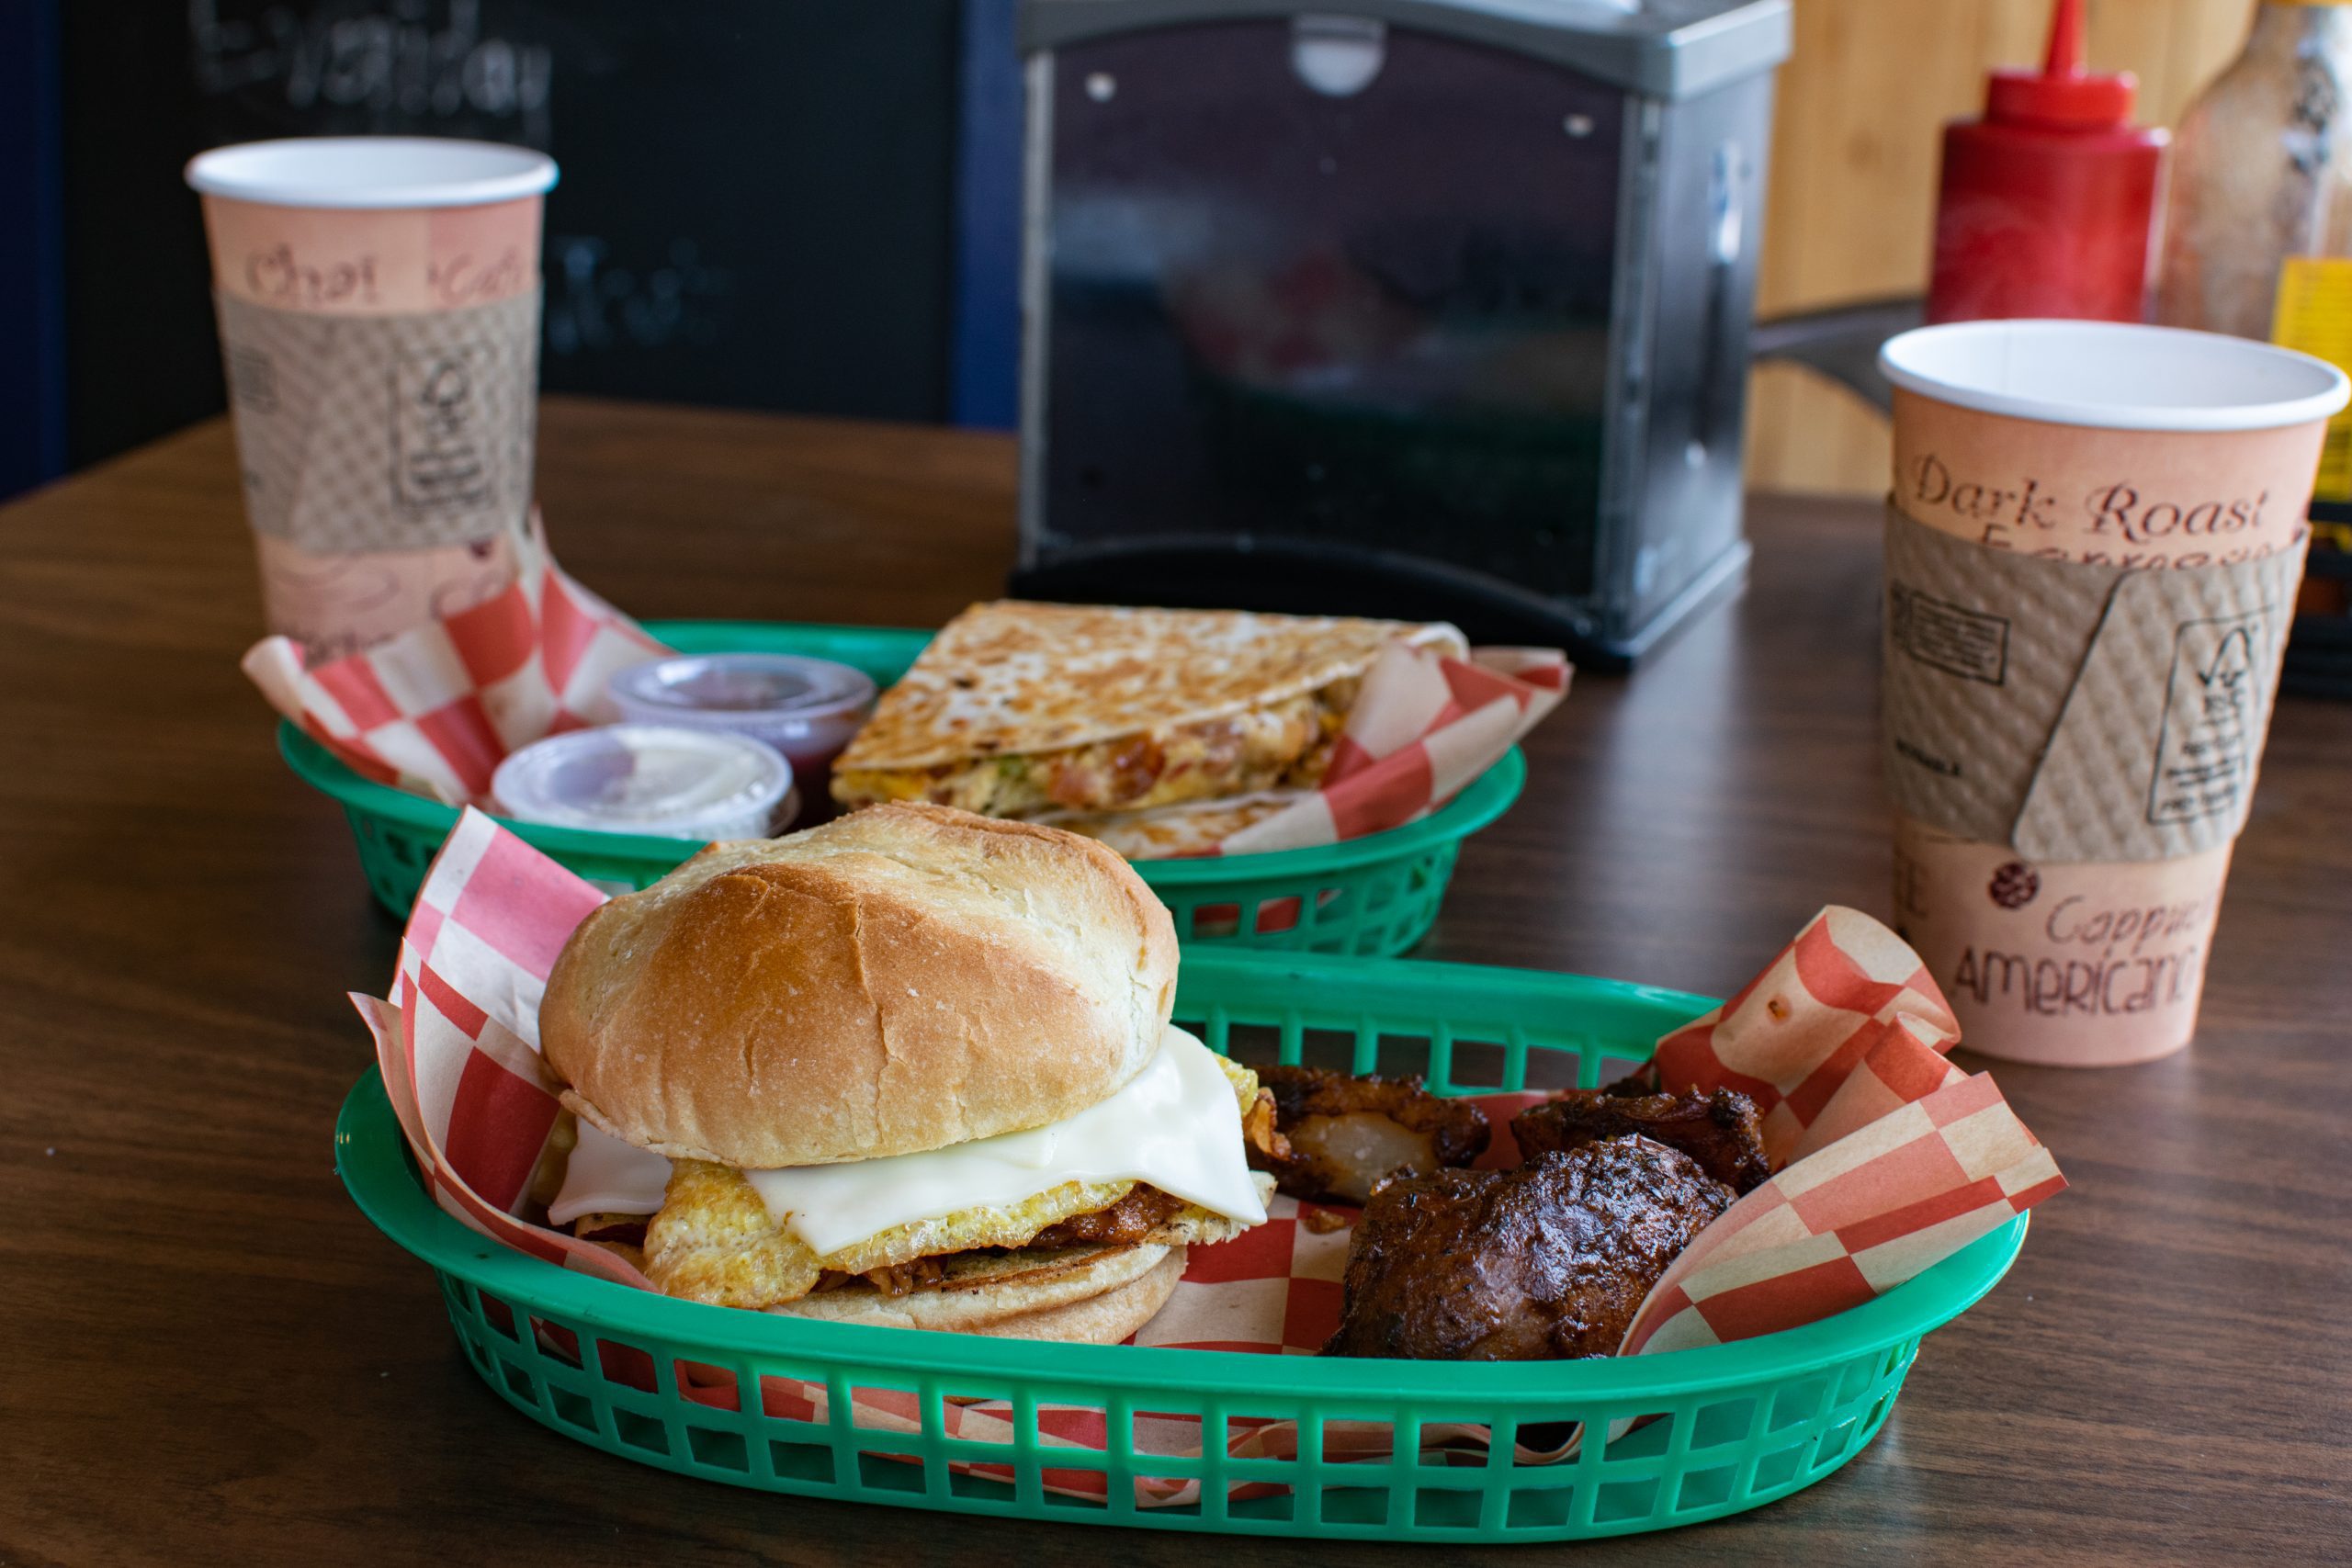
x=714, y=1239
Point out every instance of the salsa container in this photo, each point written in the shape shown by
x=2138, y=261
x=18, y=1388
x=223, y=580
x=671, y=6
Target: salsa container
x=1372, y=896
x=1723, y=1429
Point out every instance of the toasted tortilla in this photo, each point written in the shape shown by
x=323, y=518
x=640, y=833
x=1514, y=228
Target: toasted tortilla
x=1017, y=678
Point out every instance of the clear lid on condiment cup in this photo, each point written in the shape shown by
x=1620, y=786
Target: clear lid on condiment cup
x=669, y=781
x=744, y=686
x=767, y=694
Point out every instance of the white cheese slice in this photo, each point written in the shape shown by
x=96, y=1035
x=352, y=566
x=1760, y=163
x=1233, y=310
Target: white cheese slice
x=1174, y=1126
x=606, y=1175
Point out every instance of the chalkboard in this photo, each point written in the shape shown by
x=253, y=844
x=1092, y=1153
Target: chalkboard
x=757, y=203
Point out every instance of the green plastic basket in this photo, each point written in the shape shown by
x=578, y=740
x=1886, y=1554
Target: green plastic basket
x=1372, y=896
x=1733, y=1426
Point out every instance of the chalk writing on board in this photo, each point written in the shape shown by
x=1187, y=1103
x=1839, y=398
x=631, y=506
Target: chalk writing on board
x=592, y=302
x=390, y=62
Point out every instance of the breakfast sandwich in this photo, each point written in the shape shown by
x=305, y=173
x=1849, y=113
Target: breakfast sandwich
x=1025, y=710
x=913, y=1068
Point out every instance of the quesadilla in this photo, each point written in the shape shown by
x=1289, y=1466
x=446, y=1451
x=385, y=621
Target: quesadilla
x=1020, y=710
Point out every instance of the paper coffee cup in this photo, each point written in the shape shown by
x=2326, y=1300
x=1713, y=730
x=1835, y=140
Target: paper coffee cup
x=2093, y=543
x=378, y=304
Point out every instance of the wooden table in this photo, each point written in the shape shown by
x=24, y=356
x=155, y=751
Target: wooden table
x=215, y=1359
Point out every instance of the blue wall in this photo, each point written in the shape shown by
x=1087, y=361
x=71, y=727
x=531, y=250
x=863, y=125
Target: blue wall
x=984, y=385
x=32, y=322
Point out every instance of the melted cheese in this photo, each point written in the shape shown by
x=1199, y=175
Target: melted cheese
x=1175, y=1125
x=606, y=1175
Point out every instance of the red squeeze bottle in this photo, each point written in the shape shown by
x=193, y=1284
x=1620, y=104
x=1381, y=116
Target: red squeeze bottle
x=2048, y=203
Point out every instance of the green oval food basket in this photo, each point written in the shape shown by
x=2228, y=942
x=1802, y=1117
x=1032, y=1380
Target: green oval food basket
x=1375, y=895
x=1725, y=1428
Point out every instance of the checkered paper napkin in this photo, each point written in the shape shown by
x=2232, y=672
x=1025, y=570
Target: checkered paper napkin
x=1934, y=1158
x=437, y=708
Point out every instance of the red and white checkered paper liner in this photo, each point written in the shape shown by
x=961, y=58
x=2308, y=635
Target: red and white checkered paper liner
x=1890, y=1158
x=1792, y=1037
x=436, y=709
x=457, y=1044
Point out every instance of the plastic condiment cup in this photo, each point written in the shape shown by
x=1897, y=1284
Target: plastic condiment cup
x=666, y=781
x=378, y=304
x=2142, y=447
x=806, y=708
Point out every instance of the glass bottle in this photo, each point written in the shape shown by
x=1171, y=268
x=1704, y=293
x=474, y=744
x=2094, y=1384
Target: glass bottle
x=2258, y=234
x=2262, y=172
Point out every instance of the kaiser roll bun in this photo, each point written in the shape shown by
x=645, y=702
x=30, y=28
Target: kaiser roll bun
x=904, y=978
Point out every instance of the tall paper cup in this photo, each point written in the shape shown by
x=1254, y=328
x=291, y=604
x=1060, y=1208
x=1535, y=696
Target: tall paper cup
x=2093, y=543
x=379, y=303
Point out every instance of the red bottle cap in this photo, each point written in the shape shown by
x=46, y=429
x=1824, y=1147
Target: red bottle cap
x=2061, y=95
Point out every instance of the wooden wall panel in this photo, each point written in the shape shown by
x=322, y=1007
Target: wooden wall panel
x=1862, y=102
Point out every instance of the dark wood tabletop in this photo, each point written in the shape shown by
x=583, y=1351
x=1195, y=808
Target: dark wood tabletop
x=214, y=1358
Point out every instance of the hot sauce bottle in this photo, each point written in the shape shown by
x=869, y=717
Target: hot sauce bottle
x=2048, y=203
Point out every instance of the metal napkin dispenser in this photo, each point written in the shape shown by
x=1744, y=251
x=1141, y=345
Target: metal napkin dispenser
x=1426, y=308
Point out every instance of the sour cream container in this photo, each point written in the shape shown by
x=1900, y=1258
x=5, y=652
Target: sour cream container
x=806, y=708
x=669, y=781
